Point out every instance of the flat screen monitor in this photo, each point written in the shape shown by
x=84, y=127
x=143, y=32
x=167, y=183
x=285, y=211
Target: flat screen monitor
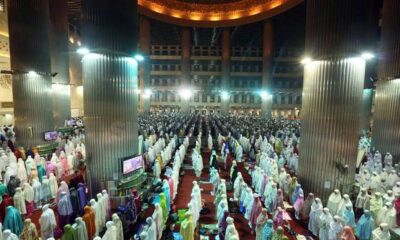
x=50, y=136
x=131, y=164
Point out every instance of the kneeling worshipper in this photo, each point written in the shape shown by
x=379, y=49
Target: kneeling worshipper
x=187, y=230
x=13, y=220
x=324, y=224
x=230, y=229
x=47, y=222
x=8, y=235
x=29, y=232
x=381, y=233
x=268, y=230
x=260, y=223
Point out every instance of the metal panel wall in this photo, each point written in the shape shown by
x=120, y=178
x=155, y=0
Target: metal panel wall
x=336, y=27
x=59, y=53
x=28, y=22
x=110, y=101
x=385, y=132
x=32, y=108
x=389, y=56
x=332, y=97
x=145, y=66
x=386, y=128
x=366, y=113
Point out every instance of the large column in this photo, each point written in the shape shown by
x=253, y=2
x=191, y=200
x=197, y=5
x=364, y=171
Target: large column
x=366, y=113
x=185, y=68
x=226, y=70
x=266, y=96
x=385, y=132
x=110, y=87
x=28, y=22
x=145, y=66
x=332, y=96
x=59, y=53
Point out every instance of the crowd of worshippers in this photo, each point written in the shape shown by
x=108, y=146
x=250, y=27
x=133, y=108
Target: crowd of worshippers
x=34, y=185
x=276, y=146
x=159, y=144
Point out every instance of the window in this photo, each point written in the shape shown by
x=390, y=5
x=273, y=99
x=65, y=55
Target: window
x=290, y=99
x=219, y=99
x=251, y=98
x=236, y=98
x=212, y=98
x=243, y=98
x=298, y=100
x=282, y=99
x=204, y=98
x=274, y=99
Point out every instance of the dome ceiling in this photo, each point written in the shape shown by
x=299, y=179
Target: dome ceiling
x=213, y=13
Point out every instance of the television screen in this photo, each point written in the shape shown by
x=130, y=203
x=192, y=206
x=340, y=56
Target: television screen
x=132, y=164
x=50, y=136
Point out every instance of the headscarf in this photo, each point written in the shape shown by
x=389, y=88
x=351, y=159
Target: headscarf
x=348, y=233
x=13, y=220
x=29, y=231
x=365, y=226
x=268, y=230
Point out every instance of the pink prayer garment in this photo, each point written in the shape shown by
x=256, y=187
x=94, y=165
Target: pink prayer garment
x=171, y=187
x=50, y=168
x=255, y=211
x=298, y=205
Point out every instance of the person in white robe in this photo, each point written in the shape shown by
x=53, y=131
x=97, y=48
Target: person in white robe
x=387, y=214
x=362, y=199
x=375, y=182
x=21, y=172
x=111, y=232
x=19, y=201
x=97, y=215
x=197, y=162
x=315, y=213
x=29, y=164
x=8, y=235
x=237, y=186
x=53, y=185
x=222, y=207
x=158, y=219
x=151, y=229
x=325, y=221
x=248, y=203
x=334, y=201
x=230, y=229
x=107, y=204
x=381, y=233
x=344, y=203
x=47, y=222
x=210, y=142
x=336, y=228
x=102, y=204
x=118, y=225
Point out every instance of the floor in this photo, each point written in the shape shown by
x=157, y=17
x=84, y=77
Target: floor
x=185, y=188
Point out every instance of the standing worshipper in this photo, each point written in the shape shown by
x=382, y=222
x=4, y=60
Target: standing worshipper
x=260, y=223
x=278, y=234
x=64, y=209
x=255, y=212
x=365, y=226
x=324, y=224
x=118, y=226
x=230, y=229
x=81, y=230
x=222, y=225
x=47, y=222
x=111, y=232
x=348, y=234
x=29, y=231
x=336, y=228
x=13, y=220
x=187, y=230
x=268, y=230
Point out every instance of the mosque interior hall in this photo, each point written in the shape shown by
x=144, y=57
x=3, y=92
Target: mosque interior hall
x=199, y=119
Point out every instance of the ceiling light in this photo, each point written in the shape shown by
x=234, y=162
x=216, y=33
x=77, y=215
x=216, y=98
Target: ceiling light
x=83, y=51
x=367, y=55
x=305, y=60
x=139, y=57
